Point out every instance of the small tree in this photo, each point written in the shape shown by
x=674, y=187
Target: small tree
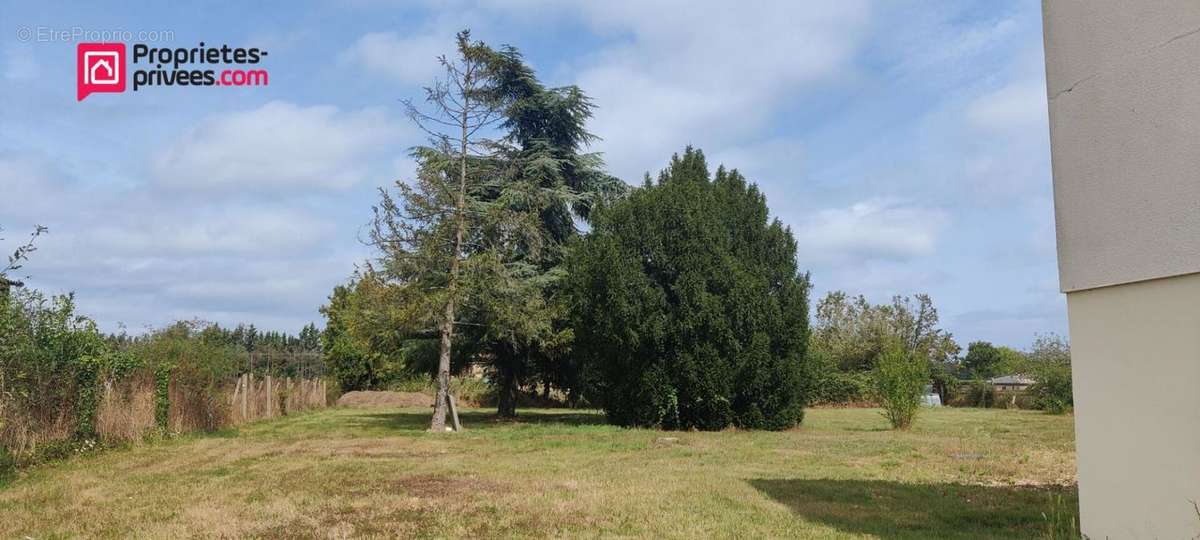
x=899, y=380
x=1050, y=366
x=983, y=359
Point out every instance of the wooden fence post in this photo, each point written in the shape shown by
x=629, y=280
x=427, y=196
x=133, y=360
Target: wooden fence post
x=270, y=406
x=246, y=386
x=454, y=412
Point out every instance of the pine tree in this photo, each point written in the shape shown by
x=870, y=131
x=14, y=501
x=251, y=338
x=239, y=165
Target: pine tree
x=429, y=233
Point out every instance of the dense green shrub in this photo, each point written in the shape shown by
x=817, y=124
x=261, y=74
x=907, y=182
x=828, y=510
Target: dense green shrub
x=841, y=387
x=899, y=380
x=196, y=366
x=1050, y=366
x=47, y=366
x=689, y=310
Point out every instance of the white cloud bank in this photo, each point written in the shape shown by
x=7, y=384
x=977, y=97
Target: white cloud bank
x=409, y=59
x=873, y=229
x=278, y=145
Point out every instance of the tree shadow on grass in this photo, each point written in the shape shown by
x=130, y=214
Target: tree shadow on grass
x=900, y=510
x=475, y=419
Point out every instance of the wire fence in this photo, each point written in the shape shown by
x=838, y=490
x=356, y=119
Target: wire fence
x=303, y=365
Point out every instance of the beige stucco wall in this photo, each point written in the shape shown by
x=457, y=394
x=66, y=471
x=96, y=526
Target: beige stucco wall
x=1123, y=79
x=1136, y=351
x=1123, y=84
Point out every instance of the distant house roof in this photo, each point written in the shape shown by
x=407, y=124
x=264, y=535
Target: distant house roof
x=1016, y=380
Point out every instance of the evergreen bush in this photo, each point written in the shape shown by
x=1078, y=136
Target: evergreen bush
x=689, y=310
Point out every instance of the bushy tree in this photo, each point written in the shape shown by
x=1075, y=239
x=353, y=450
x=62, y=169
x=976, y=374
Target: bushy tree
x=688, y=307
x=899, y=378
x=983, y=359
x=1049, y=365
x=851, y=333
x=346, y=360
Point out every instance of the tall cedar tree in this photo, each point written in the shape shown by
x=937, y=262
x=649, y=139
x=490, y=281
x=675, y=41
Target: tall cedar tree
x=689, y=310
x=545, y=174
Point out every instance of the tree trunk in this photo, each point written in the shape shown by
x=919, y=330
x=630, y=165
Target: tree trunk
x=441, y=401
x=443, y=374
x=508, y=390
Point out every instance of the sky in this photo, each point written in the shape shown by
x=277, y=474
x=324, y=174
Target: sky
x=905, y=143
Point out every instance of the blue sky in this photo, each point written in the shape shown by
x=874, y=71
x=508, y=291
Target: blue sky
x=905, y=143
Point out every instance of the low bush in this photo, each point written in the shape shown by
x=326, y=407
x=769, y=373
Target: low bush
x=841, y=388
x=899, y=380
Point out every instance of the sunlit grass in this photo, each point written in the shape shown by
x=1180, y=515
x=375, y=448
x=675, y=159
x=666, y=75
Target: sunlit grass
x=346, y=472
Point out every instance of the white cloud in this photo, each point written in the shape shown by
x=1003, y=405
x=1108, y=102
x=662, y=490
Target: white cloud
x=276, y=146
x=409, y=59
x=234, y=230
x=873, y=229
x=1020, y=105
x=706, y=76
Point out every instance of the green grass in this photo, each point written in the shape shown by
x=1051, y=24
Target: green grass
x=958, y=473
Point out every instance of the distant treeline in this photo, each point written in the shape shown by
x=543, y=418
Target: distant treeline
x=243, y=336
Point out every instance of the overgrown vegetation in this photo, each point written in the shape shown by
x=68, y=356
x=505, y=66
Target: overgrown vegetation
x=1049, y=364
x=66, y=387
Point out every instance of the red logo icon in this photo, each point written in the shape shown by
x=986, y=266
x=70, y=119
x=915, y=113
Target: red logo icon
x=100, y=68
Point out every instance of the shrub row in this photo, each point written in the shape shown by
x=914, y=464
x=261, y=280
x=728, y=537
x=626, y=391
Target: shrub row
x=65, y=387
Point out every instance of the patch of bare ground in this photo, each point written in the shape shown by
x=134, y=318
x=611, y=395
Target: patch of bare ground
x=379, y=399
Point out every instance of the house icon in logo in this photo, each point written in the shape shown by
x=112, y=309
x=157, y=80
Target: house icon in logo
x=100, y=68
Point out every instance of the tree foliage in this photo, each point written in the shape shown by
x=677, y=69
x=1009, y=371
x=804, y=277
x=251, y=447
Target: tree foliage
x=689, y=310
x=1049, y=365
x=473, y=249
x=17, y=259
x=983, y=359
x=851, y=333
x=899, y=378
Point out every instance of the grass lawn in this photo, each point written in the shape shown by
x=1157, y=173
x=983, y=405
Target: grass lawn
x=959, y=473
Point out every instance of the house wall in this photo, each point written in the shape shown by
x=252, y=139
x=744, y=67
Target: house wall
x=1136, y=351
x=1123, y=85
x=1124, y=90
